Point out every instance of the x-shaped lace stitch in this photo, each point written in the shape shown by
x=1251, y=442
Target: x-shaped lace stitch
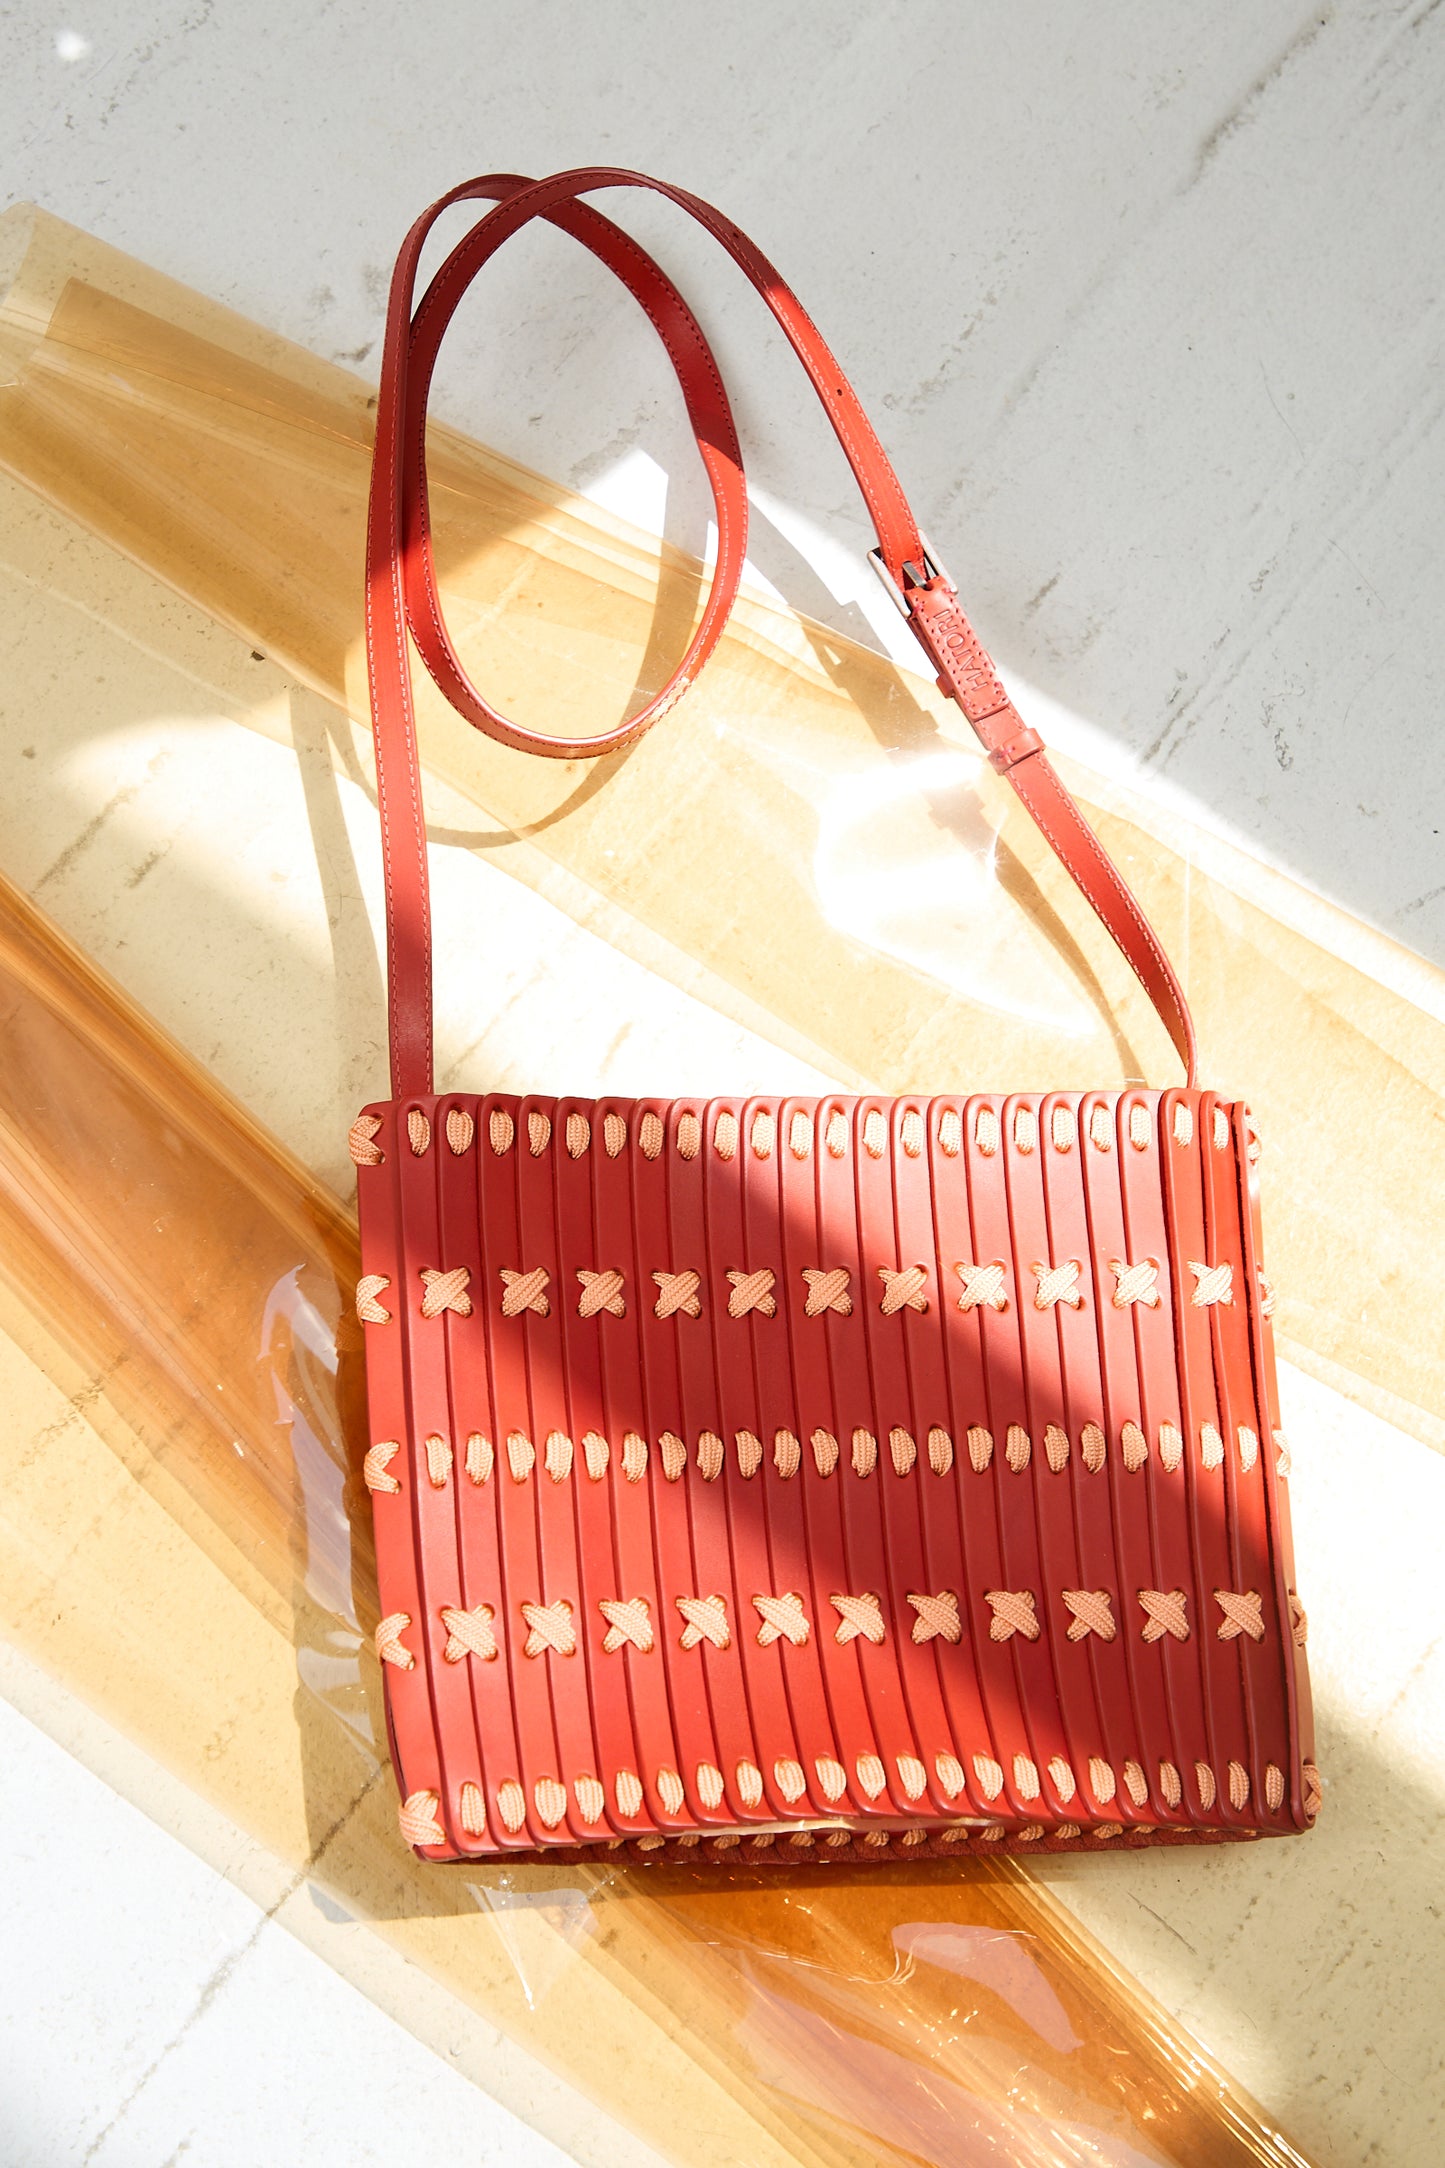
x=418, y=1818
x=782, y=1618
x=1058, y=1283
x=982, y=1287
x=525, y=1291
x=938, y=1618
x=903, y=1290
x=628, y=1622
x=601, y=1291
x=858, y=1615
x=677, y=1291
x=445, y=1291
x=469, y=1633
x=706, y=1620
x=1135, y=1283
x=1164, y=1613
x=827, y=1290
x=1013, y=1613
x=551, y=1628
x=1091, y=1613
x=1241, y=1614
x=1213, y=1283
x=752, y=1291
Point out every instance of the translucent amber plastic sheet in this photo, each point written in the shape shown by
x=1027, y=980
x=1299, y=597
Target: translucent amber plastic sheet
x=188, y=1548
x=809, y=840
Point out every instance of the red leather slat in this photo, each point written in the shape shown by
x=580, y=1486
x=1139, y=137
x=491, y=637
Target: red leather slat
x=736, y=1357
x=887, y=1339
x=924, y=1347
x=861, y=1498
x=781, y=1418
x=1035, y=1725
x=1218, y=1232
x=423, y=1245
x=847, y=1731
x=505, y=1249
x=613, y=1743
x=410, y=1716
x=1264, y=1664
x=657, y=1338
x=974, y=1490
x=545, y=1243
x=1299, y=1711
x=491, y=1684
x=477, y=1403
x=642, y=1679
x=705, y=1670
x=1181, y=1664
x=577, y=1410
x=1092, y=1495
x=1129, y=1493
x=1204, y=1487
x=1054, y=1670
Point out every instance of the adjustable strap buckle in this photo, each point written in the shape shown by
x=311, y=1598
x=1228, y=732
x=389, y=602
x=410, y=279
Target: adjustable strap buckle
x=914, y=574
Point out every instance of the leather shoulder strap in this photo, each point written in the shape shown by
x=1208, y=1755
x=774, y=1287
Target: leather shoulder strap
x=401, y=589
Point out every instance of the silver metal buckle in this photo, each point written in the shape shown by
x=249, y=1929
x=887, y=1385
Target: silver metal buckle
x=916, y=575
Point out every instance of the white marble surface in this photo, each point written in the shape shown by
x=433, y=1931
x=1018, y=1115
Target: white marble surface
x=1146, y=303
x=1145, y=299
x=152, y=2012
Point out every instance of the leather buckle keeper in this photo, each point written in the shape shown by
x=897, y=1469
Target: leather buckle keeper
x=1020, y=743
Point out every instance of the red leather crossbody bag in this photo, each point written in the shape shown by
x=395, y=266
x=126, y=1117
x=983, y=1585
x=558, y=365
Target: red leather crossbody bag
x=803, y=1478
